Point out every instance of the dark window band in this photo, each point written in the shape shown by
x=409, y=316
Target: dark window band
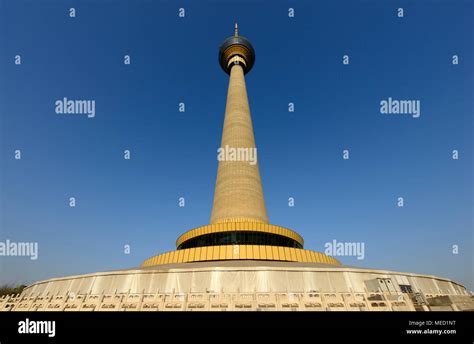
x=240, y=238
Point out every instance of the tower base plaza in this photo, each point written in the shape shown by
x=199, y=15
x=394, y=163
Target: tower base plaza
x=239, y=261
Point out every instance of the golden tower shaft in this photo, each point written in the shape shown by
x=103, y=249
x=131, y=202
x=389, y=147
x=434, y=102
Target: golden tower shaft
x=239, y=228
x=238, y=194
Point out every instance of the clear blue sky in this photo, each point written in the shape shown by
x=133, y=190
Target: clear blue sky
x=174, y=154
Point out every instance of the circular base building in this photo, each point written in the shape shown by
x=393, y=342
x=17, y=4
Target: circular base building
x=243, y=285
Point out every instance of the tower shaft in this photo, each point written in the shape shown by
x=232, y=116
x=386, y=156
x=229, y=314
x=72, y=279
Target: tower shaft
x=239, y=228
x=238, y=194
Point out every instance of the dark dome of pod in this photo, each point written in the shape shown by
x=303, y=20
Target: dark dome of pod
x=237, y=40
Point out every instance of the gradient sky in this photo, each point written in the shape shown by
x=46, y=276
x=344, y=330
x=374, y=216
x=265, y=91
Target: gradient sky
x=174, y=60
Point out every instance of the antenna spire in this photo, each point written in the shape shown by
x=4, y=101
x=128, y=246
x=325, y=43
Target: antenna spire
x=236, y=30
